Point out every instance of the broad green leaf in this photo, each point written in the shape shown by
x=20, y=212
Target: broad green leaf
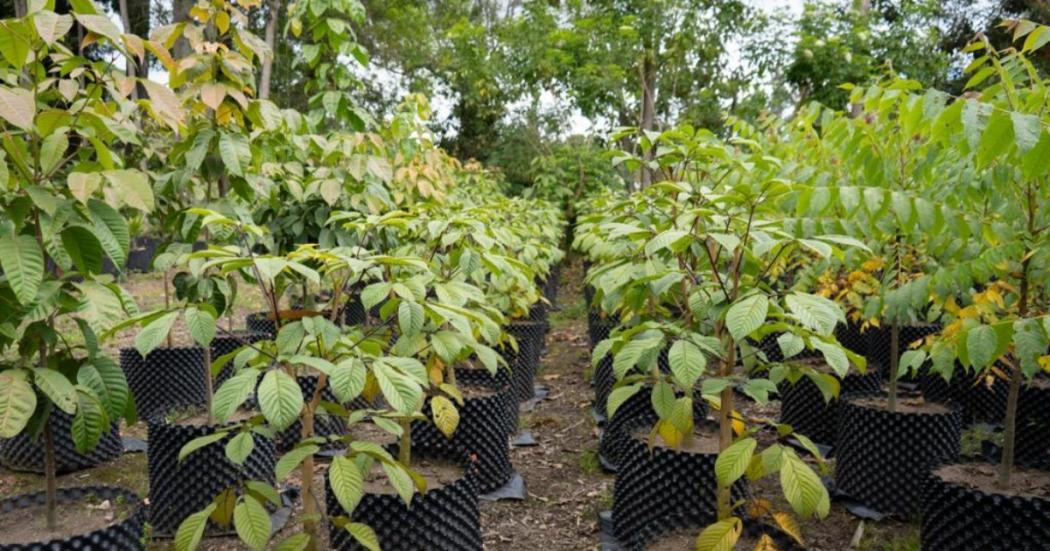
x=280, y=399
x=802, y=486
x=100, y=25
x=720, y=536
x=296, y=542
x=200, y=442
x=663, y=241
x=240, y=447
x=17, y=107
x=235, y=152
x=252, y=523
x=410, y=317
x=834, y=355
x=50, y=26
x=191, y=530
x=89, y=422
x=620, y=395
x=732, y=462
x=132, y=188
x=201, y=324
x=52, y=150
x=289, y=461
x=814, y=312
x=347, y=379
x=23, y=264
x=746, y=315
x=154, y=333
x=364, y=535
x=232, y=393
x=111, y=230
x=401, y=392
x=347, y=482
x=17, y=403
x=981, y=343
x=687, y=363
x=57, y=388
x=83, y=249
x=400, y=480
x=790, y=344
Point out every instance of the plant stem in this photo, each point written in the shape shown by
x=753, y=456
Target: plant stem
x=209, y=385
x=167, y=302
x=725, y=429
x=50, y=480
x=404, y=449
x=895, y=345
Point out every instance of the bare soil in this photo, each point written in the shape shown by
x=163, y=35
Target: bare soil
x=703, y=442
x=29, y=525
x=905, y=405
x=983, y=477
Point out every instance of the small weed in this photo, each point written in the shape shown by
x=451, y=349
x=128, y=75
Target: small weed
x=589, y=462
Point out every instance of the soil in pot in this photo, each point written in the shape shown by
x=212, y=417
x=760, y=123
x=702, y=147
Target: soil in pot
x=636, y=412
x=682, y=540
x=663, y=490
x=803, y=406
x=447, y=516
x=884, y=457
x=95, y=517
x=178, y=489
x=965, y=510
x=23, y=453
x=168, y=378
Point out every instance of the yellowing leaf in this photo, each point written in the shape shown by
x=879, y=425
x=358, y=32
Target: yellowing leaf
x=446, y=416
x=720, y=536
x=17, y=107
x=787, y=523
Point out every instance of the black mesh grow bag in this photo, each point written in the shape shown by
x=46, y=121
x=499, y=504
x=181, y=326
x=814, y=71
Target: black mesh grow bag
x=878, y=342
x=179, y=489
x=126, y=535
x=977, y=400
x=23, y=453
x=599, y=327
x=483, y=431
x=502, y=379
x=884, y=458
x=140, y=256
x=550, y=286
x=803, y=407
x=955, y=518
x=227, y=342
x=444, y=518
x=850, y=337
x=664, y=490
x=526, y=360
x=1033, y=427
x=634, y=414
x=167, y=379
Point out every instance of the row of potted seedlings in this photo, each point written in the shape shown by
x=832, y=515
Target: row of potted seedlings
x=845, y=226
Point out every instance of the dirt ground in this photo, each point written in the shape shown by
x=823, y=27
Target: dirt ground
x=566, y=487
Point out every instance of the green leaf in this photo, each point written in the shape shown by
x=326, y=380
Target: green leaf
x=410, y=317
x=374, y=294
x=89, y=422
x=400, y=480
x=200, y=442
x=802, y=486
x=132, y=187
x=252, y=523
x=996, y=139
x=981, y=344
x=790, y=344
x=747, y=315
x=687, y=363
x=154, y=333
x=834, y=355
x=732, y=462
x=663, y=241
x=347, y=379
x=51, y=27
x=83, y=249
x=15, y=45
x=232, y=393
x=17, y=107
x=280, y=399
x=364, y=535
x=17, y=403
x=720, y=536
x=117, y=395
x=191, y=530
x=240, y=447
x=111, y=230
x=201, y=324
x=815, y=312
x=235, y=152
x=100, y=25
x=289, y=461
x=620, y=395
x=23, y=264
x=347, y=483
x=52, y=150
x=400, y=392
x=297, y=542
x=57, y=388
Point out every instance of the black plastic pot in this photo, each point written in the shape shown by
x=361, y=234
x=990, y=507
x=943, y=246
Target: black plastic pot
x=634, y=414
x=878, y=342
x=23, y=453
x=167, y=379
x=483, y=431
x=599, y=327
x=550, y=286
x=850, y=336
x=526, y=360
x=179, y=489
x=884, y=458
x=803, y=407
x=958, y=518
x=1033, y=427
x=502, y=379
x=662, y=491
x=978, y=401
x=126, y=535
x=226, y=343
x=140, y=256
x=442, y=518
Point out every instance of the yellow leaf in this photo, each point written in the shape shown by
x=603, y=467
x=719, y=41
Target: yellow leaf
x=446, y=416
x=787, y=523
x=669, y=433
x=759, y=507
x=738, y=423
x=1044, y=362
x=765, y=544
x=222, y=22
x=371, y=389
x=212, y=94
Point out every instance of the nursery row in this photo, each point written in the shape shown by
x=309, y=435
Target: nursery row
x=883, y=273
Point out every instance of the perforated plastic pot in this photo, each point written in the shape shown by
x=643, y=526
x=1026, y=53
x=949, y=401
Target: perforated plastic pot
x=124, y=535
x=550, y=286
x=634, y=414
x=23, y=453
x=957, y=518
x=850, y=336
x=662, y=491
x=884, y=458
x=1033, y=426
x=878, y=342
x=140, y=256
x=803, y=407
x=978, y=400
x=226, y=343
x=599, y=327
x=442, y=518
x=167, y=379
x=526, y=360
x=482, y=431
x=502, y=379
x=178, y=489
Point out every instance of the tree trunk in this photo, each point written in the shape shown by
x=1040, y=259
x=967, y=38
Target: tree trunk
x=271, y=41
x=20, y=8
x=648, y=121
x=895, y=348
